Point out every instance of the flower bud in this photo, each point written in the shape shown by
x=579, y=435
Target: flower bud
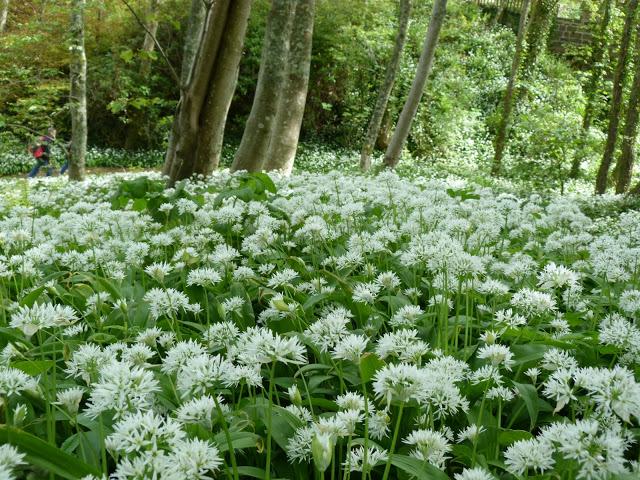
x=322, y=450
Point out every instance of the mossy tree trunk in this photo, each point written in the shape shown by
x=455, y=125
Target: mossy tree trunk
x=286, y=129
x=209, y=75
x=624, y=167
x=542, y=14
x=380, y=108
x=403, y=127
x=508, y=100
x=4, y=13
x=616, y=97
x=598, y=49
x=252, y=152
x=78, y=92
x=139, y=126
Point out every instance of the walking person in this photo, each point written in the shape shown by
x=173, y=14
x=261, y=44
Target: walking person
x=41, y=151
x=67, y=154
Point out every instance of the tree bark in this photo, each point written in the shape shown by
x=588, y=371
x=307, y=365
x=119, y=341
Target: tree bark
x=616, y=98
x=507, y=103
x=286, y=129
x=597, y=68
x=78, y=93
x=138, y=128
x=251, y=153
x=149, y=44
x=222, y=86
x=386, y=87
x=194, y=37
x=630, y=133
x=539, y=24
x=211, y=75
x=392, y=155
x=4, y=12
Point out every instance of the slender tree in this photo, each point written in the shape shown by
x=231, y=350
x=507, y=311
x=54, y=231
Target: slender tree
x=208, y=80
x=286, y=129
x=149, y=42
x=380, y=108
x=539, y=24
x=253, y=147
x=394, y=150
x=138, y=128
x=4, y=13
x=624, y=167
x=507, y=103
x=78, y=92
x=598, y=49
x=616, y=97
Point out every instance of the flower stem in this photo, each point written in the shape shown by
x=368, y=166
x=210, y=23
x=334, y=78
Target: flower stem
x=387, y=467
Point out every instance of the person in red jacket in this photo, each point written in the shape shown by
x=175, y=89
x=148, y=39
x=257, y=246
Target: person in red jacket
x=41, y=151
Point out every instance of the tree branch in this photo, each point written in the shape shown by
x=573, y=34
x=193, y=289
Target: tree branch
x=174, y=75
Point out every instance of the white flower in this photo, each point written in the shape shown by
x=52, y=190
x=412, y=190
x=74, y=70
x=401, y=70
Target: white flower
x=350, y=347
x=429, y=445
x=529, y=454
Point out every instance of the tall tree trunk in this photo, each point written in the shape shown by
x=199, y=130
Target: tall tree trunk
x=4, y=12
x=616, y=97
x=149, y=44
x=211, y=74
x=385, y=132
x=286, y=129
x=539, y=24
x=507, y=103
x=138, y=126
x=194, y=39
x=273, y=62
x=386, y=87
x=598, y=49
x=221, y=89
x=624, y=167
x=392, y=155
x=78, y=93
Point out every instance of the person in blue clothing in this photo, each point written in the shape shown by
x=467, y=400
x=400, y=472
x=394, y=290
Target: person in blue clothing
x=41, y=151
x=67, y=153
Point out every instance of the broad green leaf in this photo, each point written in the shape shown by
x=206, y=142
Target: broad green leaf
x=529, y=395
x=31, y=298
x=418, y=469
x=33, y=367
x=46, y=456
x=239, y=440
x=370, y=363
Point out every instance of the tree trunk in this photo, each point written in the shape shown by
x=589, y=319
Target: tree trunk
x=392, y=155
x=630, y=133
x=138, y=127
x=4, y=12
x=286, y=129
x=211, y=75
x=616, y=97
x=539, y=24
x=221, y=89
x=386, y=87
x=257, y=131
x=149, y=44
x=597, y=68
x=194, y=38
x=384, y=134
x=507, y=104
x=78, y=93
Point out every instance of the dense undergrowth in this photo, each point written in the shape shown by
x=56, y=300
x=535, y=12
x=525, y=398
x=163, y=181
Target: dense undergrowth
x=360, y=326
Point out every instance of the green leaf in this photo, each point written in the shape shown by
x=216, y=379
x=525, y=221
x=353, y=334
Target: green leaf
x=46, y=456
x=126, y=55
x=33, y=367
x=239, y=440
x=507, y=437
x=418, y=469
x=529, y=395
x=253, y=472
x=370, y=363
x=31, y=298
